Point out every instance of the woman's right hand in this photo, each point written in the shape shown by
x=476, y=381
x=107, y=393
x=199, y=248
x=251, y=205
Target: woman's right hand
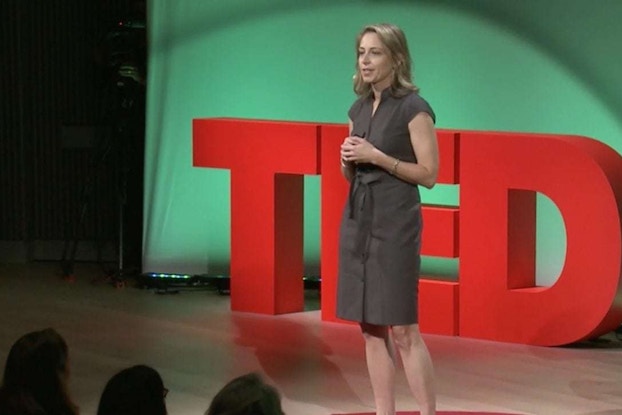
x=347, y=150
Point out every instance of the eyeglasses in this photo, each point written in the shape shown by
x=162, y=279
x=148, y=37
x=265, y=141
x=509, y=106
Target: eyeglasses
x=164, y=392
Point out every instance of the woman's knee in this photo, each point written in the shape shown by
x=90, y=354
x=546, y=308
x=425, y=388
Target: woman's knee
x=406, y=337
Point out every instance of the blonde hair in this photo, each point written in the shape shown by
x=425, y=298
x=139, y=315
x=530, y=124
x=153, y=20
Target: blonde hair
x=393, y=38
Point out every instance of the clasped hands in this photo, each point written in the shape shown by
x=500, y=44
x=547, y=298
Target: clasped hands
x=356, y=150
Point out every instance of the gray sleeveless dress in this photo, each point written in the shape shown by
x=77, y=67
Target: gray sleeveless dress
x=380, y=235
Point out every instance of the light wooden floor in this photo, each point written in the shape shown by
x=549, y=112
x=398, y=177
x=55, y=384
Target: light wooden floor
x=197, y=344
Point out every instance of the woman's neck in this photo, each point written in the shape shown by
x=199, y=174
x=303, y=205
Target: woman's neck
x=378, y=89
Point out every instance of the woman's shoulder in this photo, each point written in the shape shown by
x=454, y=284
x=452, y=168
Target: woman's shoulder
x=414, y=98
x=413, y=103
x=355, y=108
x=16, y=403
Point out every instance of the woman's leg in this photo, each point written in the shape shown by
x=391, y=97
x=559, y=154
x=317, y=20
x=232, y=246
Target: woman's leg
x=379, y=353
x=417, y=365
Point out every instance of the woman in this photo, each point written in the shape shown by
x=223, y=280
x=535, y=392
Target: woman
x=136, y=390
x=391, y=150
x=246, y=395
x=36, y=375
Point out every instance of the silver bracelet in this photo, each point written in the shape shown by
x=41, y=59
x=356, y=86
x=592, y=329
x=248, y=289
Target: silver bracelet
x=394, y=168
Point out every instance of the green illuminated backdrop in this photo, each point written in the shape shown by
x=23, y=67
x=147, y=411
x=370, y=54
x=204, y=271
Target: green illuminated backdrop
x=531, y=66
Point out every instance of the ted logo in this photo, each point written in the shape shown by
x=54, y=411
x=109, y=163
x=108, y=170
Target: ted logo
x=492, y=231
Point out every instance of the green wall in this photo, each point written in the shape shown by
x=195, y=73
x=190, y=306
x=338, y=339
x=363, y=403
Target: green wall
x=531, y=66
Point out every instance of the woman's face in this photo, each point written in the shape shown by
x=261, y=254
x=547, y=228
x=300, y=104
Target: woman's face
x=374, y=62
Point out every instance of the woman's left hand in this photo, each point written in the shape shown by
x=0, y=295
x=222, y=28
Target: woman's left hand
x=358, y=150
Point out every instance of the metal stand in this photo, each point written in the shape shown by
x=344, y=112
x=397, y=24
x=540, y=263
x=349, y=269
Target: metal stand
x=122, y=124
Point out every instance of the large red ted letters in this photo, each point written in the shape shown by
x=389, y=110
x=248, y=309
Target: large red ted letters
x=492, y=231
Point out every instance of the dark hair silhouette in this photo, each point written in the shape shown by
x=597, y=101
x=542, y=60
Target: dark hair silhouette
x=137, y=390
x=246, y=395
x=35, y=376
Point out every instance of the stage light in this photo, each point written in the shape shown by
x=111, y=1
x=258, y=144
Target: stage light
x=168, y=276
x=172, y=282
x=221, y=283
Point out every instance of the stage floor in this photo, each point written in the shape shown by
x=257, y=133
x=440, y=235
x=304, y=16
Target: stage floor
x=197, y=344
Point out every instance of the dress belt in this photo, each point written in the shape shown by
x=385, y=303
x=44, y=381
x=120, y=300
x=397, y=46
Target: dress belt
x=362, y=187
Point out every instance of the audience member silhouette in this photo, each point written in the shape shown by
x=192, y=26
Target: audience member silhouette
x=36, y=376
x=246, y=395
x=137, y=390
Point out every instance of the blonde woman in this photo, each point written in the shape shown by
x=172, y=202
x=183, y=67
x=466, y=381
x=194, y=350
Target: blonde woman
x=391, y=150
